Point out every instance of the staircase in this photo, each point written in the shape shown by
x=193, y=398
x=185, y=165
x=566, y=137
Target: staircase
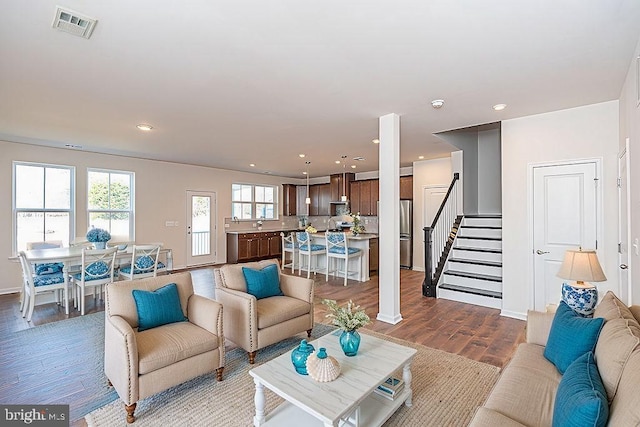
x=473, y=271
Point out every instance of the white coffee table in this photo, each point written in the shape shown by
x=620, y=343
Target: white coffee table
x=347, y=401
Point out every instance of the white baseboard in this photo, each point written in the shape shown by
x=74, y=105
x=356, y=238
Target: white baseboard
x=10, y=291
x=513, y=314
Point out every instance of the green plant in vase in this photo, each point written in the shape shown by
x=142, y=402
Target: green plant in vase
x=349, y=318
x=357, y=226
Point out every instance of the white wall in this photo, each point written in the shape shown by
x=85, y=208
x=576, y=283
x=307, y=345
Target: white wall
x=584, y=132
x=160, y=196
x=489, y=172
x=630, y=128
x=426, y=172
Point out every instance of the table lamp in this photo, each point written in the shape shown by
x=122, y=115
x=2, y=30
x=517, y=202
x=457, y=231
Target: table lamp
x=583, y=267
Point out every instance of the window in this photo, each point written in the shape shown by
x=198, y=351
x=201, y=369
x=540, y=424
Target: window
x=110, y=202
x=252, y=201
x=43, y=203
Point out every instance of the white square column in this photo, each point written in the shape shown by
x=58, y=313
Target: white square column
x=389, y=220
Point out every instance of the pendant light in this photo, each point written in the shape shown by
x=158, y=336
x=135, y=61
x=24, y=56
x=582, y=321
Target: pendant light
x=344, y=180
x=307, y=201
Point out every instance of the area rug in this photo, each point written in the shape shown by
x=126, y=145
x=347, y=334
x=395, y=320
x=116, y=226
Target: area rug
x=447, y=389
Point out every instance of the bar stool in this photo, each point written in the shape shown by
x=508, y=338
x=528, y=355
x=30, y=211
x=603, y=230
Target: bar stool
x=310, y=250
x=338, y=249
x=290, y=245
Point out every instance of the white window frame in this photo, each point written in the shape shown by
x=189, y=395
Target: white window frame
x=131, y=211
x=253, y=201
x=15, y=210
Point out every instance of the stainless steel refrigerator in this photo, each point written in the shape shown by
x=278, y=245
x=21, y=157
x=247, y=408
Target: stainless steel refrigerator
x=406, y=233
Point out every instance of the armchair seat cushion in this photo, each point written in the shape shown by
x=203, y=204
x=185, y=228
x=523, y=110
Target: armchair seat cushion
x=168, y=344
x=276, y=310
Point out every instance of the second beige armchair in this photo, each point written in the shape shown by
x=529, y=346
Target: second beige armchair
x=256, y=323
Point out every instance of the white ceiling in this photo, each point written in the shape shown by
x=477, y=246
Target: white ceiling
x=230, y=83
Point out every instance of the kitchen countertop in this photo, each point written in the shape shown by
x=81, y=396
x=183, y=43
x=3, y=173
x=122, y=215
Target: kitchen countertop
x=361, y=236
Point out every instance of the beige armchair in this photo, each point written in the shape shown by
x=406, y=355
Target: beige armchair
x=256, y=323
x=141, y=364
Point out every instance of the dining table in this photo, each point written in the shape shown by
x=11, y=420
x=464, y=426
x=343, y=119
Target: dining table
x=72, y=256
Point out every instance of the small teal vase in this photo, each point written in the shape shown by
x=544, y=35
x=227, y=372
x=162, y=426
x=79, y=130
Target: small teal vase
x=299, y=357
x=350, y=342
x=100, y=245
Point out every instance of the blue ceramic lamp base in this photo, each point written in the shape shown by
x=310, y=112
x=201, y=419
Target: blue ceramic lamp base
x=582, y=300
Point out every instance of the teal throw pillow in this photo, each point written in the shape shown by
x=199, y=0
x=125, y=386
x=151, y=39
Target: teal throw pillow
x=571, y=336
x=159, y=307
x=581, y=399
x=263, y=283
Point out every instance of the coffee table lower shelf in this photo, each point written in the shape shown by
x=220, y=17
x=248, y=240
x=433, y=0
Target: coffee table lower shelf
x=374, y=411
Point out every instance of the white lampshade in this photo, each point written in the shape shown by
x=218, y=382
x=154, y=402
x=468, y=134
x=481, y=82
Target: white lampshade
x=581, y=266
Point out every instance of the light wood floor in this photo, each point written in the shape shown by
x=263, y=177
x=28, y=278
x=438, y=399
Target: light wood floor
x=474, y=332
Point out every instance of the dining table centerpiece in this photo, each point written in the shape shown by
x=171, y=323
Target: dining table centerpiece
x=99, y=237
x=349, y=318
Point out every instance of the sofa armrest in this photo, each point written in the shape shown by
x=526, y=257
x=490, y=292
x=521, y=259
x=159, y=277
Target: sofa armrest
x=121, y=357
x=240, y=317
x=205, y=313
x=635, y=310
x=297, y=287
x=538, y=327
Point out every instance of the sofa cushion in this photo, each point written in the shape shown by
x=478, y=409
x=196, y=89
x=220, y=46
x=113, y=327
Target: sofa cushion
x=279, y=309
x=168, y=344
x=159, y=307
x=571, y=336
x=625, y=407
x=581, y=399
x=526, y=390
x=618, y=339
x=612, y=308
x=485, y=417
x=263, y=283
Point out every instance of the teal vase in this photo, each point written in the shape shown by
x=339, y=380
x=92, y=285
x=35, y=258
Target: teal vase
x=350, y=342
x=299, y=357
x=100, y=245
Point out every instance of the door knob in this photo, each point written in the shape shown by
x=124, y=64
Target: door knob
x=623, y=266
x=539, y=252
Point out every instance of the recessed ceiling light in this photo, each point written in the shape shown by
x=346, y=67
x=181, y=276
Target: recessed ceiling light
x=337, y=162
x=375, y=141
x=304, y=173
x=437, y=103
x=145, y=127
x=353, y=166
x=301, y=155
x=359, y=159
x=253, y=165
x=420, y=157
x=499, y=107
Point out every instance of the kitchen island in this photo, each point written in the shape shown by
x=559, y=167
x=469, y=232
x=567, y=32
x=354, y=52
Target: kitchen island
x=360, y=241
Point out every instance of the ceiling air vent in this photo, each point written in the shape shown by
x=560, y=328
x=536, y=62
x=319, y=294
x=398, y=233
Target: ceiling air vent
x=73, y=22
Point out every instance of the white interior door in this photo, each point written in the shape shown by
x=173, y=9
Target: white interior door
x=624, y=237
x=565, y=206
x=201, y=228
x=433, y=197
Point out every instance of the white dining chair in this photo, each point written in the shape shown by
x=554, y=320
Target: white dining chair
x=307, y=249
x=338, y=249
x=97, y=270
x=37, y=284
x=47, y=268
x=144, y=263
x=289, y=245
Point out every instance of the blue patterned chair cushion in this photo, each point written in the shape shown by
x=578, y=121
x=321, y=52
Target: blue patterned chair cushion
x=340, y=250
x=313, y=248
x=127, y=269
x=290, y=246
x=48, y=279
x=94, y=271
x=335, y=237
x=49, y=268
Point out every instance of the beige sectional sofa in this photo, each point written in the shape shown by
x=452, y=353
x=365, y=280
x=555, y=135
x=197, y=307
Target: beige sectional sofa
x=526, y=390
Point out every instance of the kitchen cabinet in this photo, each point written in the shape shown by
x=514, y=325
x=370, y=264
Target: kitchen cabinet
x=243, y=247
x=314, y=195
x=406, y=187
x=324, y=199
x=289, y=200
x=373, y=254
x=340, y=185
x=302, y=195
x=364, y=197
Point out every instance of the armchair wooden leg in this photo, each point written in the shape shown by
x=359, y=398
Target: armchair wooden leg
x=219, y=373
x=309, y=333
x=252, y=357
x=130, y=410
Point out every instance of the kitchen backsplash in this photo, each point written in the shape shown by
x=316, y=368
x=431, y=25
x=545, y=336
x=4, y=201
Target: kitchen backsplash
x=292, y=222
